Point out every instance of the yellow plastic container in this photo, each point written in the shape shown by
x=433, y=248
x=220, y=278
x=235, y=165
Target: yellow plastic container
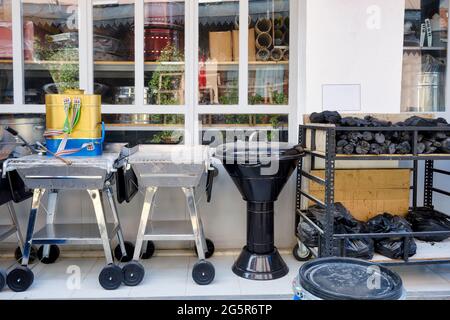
x=90, y=123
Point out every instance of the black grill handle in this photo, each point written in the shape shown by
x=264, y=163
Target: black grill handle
x=12, y=131
x=212, y=173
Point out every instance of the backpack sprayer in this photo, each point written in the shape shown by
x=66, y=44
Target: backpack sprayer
x=74, y=126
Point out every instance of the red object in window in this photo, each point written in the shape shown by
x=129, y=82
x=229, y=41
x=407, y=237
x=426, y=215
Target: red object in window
x=157, y=39
x=6, y=47
x=202, y=73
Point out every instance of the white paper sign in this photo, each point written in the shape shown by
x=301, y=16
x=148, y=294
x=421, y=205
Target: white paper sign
x=341, y=97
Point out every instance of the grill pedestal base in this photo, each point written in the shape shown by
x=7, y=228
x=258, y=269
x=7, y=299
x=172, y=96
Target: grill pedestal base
x=260, y=259
x=254, y=266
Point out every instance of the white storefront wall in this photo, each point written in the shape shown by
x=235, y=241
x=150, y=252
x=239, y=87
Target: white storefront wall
x=339, y=42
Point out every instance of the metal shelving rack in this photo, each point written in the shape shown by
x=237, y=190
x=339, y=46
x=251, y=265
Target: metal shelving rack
x=327, y=238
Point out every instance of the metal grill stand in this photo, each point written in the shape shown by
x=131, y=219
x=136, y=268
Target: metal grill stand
x=43, y=174
x=158, y=166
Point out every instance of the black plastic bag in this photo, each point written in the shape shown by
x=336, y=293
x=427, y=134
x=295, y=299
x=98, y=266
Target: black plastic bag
x=416, y=121
x=391, y=247
x=308, y=235
x=446, y=146
x=327, y=117
x=344, y=223
x=426, y=220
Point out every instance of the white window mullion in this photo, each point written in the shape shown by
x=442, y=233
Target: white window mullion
x=243, y=53
x=447, y=74
x=84, y=7
x=296, y=13
x=139, y=53
x=192, y=134
x=18, y=63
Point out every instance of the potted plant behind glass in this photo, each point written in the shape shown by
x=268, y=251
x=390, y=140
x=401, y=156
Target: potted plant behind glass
x=61, y=58
x=166, y=86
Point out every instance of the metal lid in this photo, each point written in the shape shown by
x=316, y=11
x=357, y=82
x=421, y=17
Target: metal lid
x=257, y=151
x=350, y=279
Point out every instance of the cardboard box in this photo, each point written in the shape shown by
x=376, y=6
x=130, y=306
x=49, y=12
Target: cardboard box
x=367, y=193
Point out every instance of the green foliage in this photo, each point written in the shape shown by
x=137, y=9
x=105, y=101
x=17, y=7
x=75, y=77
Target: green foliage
x=167, y=137
x=231, y=97
x=165, y=77
x=64, y=67
x=279, y=98
x=256, y=99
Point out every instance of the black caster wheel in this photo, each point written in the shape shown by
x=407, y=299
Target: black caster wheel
x=210, y=247
x=299, y=256
x=133, y=274
x=18, y=255
x=2, y=279
x=203, y=273
x=52, y=256
x=129, y=248
x=111, y=277
x=20, y=279
x=149, y=251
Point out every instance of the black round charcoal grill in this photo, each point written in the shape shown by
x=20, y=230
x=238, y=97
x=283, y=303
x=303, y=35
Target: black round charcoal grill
x=260, y=172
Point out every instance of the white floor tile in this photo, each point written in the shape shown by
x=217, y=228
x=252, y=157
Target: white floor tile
x=421, y=279
x=91, y=289
x=442, y=270
x=171, y=277
x=225, y=282
x=281, y=286
x=164, y=277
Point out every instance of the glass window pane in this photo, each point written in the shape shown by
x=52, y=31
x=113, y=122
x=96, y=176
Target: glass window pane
x=6, y=53
x=269, y=54
x=145, y=128
x=164, y=52
x=50, y=31
x=219, y=53
x=220, y=128
x=425, y=56
x=114, y=51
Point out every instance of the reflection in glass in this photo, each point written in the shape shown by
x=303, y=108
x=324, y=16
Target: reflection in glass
x=219, y=53
x=114, y=51
x=50, y=31
x=425, y=56
x=219, y=128
x=6, y=54
x=164, y=52
x=269, y=61
x=147, y=129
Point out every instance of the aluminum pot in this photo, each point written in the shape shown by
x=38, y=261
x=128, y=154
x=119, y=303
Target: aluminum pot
x=30, y=127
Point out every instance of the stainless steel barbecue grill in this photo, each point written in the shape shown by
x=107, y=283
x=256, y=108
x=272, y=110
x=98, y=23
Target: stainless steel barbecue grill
x=43, y=174
x=174, y=167
x=12, y=190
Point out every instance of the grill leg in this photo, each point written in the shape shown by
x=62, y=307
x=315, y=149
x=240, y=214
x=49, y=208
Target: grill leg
x=37, y=197
x=113, y=206
x=51, y=210
x=149, y=203
x=97, y=201
x=200, y=241
x=15, y=221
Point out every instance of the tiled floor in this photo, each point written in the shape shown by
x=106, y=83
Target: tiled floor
x=170, y=277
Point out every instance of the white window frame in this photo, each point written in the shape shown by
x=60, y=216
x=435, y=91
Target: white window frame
x=191, y=110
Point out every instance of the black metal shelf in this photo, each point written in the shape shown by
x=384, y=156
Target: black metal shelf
x=327, y=237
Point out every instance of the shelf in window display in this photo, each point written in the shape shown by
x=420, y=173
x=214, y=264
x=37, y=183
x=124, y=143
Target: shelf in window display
x=425, y=48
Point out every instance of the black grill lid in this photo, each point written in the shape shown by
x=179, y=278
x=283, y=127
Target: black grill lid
x=349, y=279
